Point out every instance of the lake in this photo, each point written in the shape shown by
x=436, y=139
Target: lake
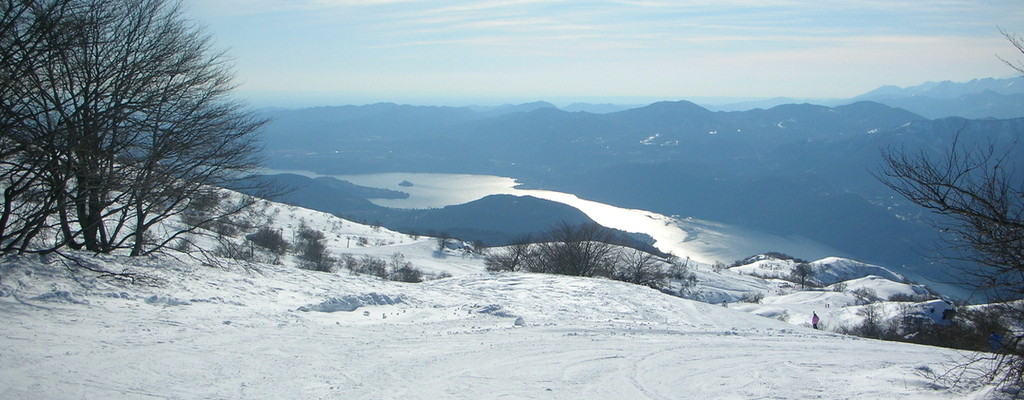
x=702, y=241
x=434, y=190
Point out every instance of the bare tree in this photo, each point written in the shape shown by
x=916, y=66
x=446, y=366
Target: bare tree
x=977, y=197
x=30, y=35
x=124, y=108
x=641, y=268
x=679, y=270
x=801, y=273
x=579, y=250
x=1018, y=43
x=442, y=242
x=980, y=204
x=978, y=200
x=515, y=257
x=270, y=239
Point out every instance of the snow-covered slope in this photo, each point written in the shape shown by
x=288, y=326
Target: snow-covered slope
x=838, y=290
x=187, y=331
x=882, y=288
x=183, y=328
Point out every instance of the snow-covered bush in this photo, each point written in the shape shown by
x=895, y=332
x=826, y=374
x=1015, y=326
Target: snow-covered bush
x=910, y=297
x=771, y=255
x=310, y=248
x=969, y=329
x=270, y=239
x=232, y=249
x=679, y=272
x=865, y=295
x=403, y=271
x=406, y=273
x=370, y=265
x=752, y=297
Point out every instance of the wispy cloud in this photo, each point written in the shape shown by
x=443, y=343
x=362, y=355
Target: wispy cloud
x=352, y=3
x=608, y=40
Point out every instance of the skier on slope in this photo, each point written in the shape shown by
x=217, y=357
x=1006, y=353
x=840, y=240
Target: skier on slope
x=814, y=320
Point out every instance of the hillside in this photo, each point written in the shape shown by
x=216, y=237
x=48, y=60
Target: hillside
x=188, y=329
x=493, y=220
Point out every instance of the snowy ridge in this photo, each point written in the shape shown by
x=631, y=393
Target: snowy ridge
x=826, y=271
x=832, y=270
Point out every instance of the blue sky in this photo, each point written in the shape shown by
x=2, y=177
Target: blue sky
x=309, y=52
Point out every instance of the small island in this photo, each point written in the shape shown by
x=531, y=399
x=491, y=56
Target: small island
x=405, y=183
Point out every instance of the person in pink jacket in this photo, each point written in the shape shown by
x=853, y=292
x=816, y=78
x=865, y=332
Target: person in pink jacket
x=814, y=320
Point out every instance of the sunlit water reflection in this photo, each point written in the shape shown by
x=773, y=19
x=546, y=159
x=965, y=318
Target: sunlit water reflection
x=702, y=241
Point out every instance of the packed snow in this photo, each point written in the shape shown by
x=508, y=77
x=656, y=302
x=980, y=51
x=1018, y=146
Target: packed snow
x=188, y=328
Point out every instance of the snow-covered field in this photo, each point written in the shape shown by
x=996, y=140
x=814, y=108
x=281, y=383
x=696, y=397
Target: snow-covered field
x=185, y=330
x=190, y=332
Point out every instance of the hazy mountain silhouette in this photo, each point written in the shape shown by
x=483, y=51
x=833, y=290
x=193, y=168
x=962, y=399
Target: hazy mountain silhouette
x=978, y=98
x=602, y=108
x=511, y=108
x=949, y=89
x=975, y=99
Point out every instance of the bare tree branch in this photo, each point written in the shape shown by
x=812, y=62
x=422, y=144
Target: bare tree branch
x=115, y=114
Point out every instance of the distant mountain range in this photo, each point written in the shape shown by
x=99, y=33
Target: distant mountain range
x=979, y=98
x=975, y=99
x=793, y=170
x=948, y=89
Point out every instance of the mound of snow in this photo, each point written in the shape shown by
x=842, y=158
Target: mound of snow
x=165, y=301
x=727, y=286
x=883, y=288
x=767, y=268
x=826, y=271
x=59, y=296
x=352, y=302
x=832, y=270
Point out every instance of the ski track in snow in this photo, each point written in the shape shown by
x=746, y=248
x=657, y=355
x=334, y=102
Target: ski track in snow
x=190, y=331
x=232, y=334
